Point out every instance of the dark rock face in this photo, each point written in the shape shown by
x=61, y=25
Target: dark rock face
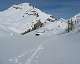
x=38, y=25
x=26, y=32
x=50, y=20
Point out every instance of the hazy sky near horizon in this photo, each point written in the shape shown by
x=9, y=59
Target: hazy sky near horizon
x=59, y=8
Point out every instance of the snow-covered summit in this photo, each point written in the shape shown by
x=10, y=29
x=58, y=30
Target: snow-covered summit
x=19, y=17
x=24, y=18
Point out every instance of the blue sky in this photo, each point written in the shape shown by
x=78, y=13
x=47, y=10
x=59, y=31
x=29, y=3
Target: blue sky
x=59, y=8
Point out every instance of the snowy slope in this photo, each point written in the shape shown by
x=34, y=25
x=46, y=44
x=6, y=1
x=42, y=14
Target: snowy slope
x=53, y=49
x=19, y=18
x=30, y=49
x=55, y=28
x=22, y=17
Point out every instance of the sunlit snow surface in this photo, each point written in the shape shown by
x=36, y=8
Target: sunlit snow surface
x=31, y=49
x=52, y=47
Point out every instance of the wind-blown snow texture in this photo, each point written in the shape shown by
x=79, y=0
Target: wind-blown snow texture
x=50, y=48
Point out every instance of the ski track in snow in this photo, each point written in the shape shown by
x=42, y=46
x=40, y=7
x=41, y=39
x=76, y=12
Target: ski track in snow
x=34, y=52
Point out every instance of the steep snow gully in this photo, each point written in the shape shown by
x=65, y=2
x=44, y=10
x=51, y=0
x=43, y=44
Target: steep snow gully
x=46, y=40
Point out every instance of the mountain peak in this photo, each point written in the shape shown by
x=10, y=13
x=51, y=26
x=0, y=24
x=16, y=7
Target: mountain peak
x=19, y=17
